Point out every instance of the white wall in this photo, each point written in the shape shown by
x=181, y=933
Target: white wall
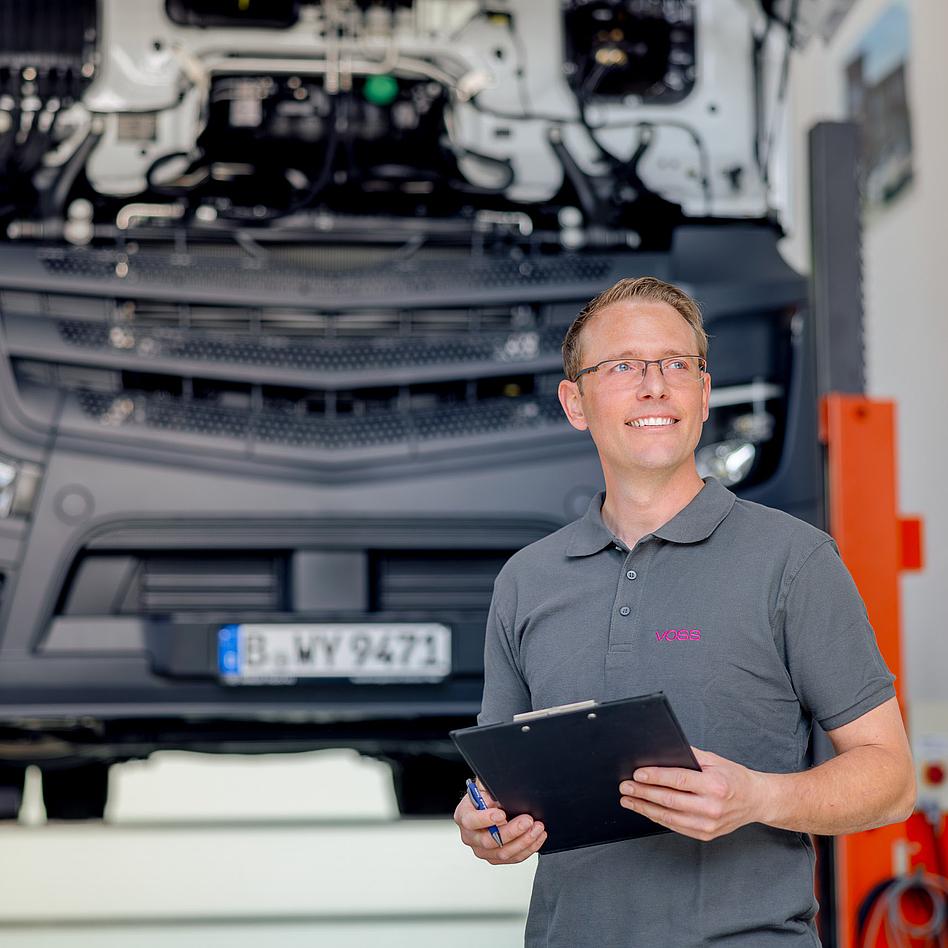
x=904, y=281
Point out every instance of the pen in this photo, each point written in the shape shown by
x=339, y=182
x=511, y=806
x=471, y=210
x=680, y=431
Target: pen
x=478, y=801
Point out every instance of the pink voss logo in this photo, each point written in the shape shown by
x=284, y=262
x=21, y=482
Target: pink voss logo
x=679, y=635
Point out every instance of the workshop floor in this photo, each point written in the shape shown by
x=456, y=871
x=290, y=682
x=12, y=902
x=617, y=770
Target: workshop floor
x=201, y=851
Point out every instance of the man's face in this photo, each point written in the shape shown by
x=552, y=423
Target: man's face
x=638, y=330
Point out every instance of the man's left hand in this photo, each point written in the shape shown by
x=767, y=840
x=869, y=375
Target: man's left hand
x=719, y=799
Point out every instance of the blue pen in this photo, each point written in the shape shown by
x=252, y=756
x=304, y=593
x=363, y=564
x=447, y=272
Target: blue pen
x=478, y=801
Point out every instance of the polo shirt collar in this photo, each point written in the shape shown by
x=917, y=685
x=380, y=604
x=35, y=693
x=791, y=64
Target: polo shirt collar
x=694, y=523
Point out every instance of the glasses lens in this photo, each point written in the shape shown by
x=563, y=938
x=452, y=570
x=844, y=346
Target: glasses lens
x=681, y=368
x=628, y=373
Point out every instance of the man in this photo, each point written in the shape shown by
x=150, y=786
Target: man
x=775, y=636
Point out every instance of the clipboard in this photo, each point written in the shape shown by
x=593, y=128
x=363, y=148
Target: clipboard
x=564, y=765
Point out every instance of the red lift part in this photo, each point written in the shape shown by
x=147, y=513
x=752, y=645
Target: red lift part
x=911, y=543
x=876, y=544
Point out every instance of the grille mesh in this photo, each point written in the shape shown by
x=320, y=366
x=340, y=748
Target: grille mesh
x=171, y=584
x=336, y=378
x=297, y=354
x=446, y=580
x=382, y=428
x=422, y=276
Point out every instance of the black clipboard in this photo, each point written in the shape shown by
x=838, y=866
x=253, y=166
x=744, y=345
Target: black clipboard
x=564, y=765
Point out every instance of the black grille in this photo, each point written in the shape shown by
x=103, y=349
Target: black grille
x=180, y=584
x=286, y=352
x=447, y=581
x=366, y=324
x=162, y=583
x=171, y=585
x=444, y=581
x=389, y=380
x=422, y=276
x=172, y=413
x=56, y=34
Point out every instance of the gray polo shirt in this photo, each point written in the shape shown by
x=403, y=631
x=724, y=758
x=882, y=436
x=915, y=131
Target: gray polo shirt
x=748, y=621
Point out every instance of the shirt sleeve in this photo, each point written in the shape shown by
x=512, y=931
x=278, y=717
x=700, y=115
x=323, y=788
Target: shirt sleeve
x=505, y=691
x=832, y=655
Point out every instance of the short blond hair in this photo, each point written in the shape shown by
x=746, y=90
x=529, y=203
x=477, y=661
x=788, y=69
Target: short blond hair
x=648, y=289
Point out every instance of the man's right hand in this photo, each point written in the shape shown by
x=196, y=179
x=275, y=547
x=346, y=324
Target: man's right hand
x=522, y=836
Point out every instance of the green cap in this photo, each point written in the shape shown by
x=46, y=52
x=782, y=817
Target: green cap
x=380, y=90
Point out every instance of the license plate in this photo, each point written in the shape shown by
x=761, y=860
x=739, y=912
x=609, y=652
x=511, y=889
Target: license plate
x=372, y=651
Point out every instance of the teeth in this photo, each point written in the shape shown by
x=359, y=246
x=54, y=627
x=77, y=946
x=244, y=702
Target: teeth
x=651, y=422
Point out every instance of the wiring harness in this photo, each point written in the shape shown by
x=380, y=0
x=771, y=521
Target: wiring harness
x=882, y=912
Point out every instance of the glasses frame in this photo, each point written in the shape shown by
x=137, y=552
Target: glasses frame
x=702, y=367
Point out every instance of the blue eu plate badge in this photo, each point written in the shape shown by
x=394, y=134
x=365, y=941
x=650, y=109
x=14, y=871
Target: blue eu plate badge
x=228, y=651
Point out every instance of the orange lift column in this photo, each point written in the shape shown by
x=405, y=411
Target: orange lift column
x=876, y=544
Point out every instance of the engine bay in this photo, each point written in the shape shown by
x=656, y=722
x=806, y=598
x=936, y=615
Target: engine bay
x=572, y=122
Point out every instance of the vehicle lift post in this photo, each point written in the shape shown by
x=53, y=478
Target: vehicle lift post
x=876, y=544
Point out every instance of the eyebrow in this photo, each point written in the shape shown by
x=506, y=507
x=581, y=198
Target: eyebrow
x=630, y=354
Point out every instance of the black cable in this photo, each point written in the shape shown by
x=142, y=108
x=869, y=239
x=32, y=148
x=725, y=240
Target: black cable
x=322, y=179
x=30, y=154
x=53, y=202
x=630, y=168
x=314, y=189
x=782, y=85
x=920, y=882
x=520, y=116
x=931, y=887
x=8, y=138
x=621, y=168
x=582, y=104
x=580, y=119
x=589, y=200
x=704, y=155
x=868, y=904
x=162, y=189
x=771, y=15
x=592, y=80
x=591, y=134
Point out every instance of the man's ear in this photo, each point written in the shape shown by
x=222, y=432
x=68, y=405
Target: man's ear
x=572, y=401
x=706, y=397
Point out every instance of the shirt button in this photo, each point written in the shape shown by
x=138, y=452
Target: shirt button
x=618, y=549
x=624, y=611
x=631, y=574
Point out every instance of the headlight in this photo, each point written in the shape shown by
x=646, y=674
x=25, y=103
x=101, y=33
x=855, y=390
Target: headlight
x=18, y=483
x=728, y=461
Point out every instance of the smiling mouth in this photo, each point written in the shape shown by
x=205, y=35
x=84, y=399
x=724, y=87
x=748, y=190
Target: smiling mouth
x=657, y=422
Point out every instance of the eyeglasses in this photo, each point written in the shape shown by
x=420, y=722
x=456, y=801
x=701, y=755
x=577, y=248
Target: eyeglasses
x=628, y=373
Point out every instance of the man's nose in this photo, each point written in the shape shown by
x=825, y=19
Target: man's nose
x=653, y=383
